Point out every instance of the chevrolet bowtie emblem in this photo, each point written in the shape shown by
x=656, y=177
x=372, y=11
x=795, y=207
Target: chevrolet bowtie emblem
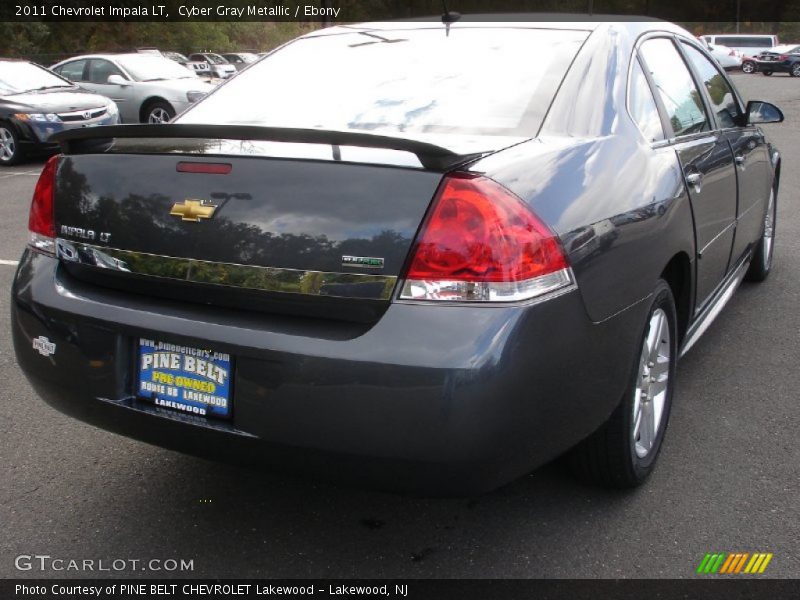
x=193, y=210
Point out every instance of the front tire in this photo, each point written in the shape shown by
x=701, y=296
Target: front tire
x=159, y=112
x=11, y=152
x=767, y=73
x=748, y=67
x=795, y=70
x=622, y=453
x=761, y=263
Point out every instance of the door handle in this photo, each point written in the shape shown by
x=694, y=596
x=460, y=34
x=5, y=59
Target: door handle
x=695, y=180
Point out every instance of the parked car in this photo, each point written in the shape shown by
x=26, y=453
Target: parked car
x=147, y=89
x=748, y=44
x=240, y=60
x=200, y=68
x=35, y=104
x=220, y=67
x=455, y=272
x=728, y=58
x=781, y=59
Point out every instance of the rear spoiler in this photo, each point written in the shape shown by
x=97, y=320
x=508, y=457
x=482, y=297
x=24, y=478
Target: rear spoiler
x=98, y=139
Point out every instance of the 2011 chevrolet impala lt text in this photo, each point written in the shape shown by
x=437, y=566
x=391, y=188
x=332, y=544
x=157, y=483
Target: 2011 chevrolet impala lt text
x=421, y=261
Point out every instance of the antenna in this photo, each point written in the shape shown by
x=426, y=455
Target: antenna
x=448, y=17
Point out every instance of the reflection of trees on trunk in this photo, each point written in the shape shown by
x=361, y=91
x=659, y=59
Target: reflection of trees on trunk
x=143, y=224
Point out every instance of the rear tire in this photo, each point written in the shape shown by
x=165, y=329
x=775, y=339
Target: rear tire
x=748, y=67
x=795, y=70
x=761, y=263
x=622, y=453
x=767, y=73
x=11, y=152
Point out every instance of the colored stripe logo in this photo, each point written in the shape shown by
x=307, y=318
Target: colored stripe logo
x=727, y=563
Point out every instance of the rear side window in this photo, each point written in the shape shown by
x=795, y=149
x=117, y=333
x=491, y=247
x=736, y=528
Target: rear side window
x=73, y=70
x=676, y=88
x=744, y=41
x=642, y=105
x=474, y=80
x=722, y=96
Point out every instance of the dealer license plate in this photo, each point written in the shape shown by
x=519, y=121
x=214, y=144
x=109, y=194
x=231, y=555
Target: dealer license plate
x=185, y=379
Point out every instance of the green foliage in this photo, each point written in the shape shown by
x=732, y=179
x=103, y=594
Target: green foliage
x=49, y=42
x=52, y=41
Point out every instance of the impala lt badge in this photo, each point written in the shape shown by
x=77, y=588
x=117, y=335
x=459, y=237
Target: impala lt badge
x=193, y=210
x=85, y=234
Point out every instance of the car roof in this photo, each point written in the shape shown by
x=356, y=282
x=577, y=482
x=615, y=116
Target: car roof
x=109, y=56
x=556, y=21
x=740, y=35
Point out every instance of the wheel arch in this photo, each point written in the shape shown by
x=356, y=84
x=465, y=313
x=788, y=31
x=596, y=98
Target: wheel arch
x=678, y=275
x=145, y=106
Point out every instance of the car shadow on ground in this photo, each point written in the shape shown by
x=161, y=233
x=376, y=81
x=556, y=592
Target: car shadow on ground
x=245, y=521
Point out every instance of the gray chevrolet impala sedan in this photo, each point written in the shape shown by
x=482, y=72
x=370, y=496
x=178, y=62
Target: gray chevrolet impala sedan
x=446, y=254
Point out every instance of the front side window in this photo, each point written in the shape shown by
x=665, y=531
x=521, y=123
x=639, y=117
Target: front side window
x=675, y=87
x=722, y=96
x=643, y=106
x=474, y=80
x=100, y=70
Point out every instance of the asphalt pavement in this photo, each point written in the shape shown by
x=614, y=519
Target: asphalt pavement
x=728, y=478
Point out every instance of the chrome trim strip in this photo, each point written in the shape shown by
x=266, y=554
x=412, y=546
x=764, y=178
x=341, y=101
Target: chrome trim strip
x=77, y=115
x=711, y=312
x=252, y=277
x=716, y=237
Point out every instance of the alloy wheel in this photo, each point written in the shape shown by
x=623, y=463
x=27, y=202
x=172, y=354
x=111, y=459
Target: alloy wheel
x=158, y=115
x=8, y=147
x=651, y=384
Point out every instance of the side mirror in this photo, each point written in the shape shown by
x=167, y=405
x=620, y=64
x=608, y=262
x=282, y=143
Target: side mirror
x=759, y=112
x=117, y=80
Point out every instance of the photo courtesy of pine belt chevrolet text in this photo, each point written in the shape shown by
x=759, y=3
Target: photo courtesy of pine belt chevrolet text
x=428, y=264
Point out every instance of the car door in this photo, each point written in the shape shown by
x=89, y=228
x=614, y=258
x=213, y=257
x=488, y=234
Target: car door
x=705, y=157
x=750, y=154
x=99, y=70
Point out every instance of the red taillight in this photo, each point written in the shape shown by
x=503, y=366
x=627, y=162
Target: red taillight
x=41, y=221
x=783, y=57
x=482, y=243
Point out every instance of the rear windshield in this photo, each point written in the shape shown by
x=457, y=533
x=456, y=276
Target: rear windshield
x=483, y=81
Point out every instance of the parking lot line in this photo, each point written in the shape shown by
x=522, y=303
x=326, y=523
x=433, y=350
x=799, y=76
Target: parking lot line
x=9, y=263
x=7, y=175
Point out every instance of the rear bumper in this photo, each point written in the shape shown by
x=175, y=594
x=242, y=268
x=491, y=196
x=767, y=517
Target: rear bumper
x=433, y=399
